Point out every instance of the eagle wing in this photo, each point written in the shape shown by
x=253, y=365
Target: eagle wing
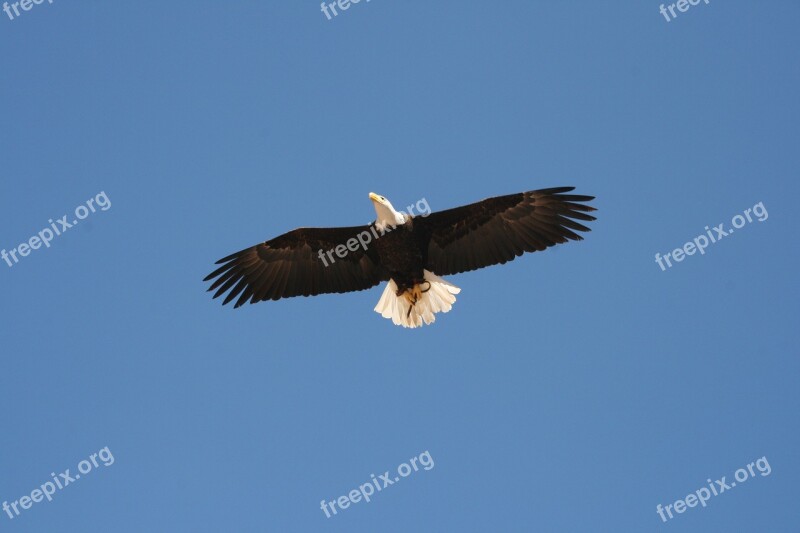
x=497, y=230
x=290, y=265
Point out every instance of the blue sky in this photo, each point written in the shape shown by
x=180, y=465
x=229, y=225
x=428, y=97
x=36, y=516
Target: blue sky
x=574, y=389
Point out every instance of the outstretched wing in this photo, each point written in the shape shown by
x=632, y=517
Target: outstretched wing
x=290, y=265
x=497, y=230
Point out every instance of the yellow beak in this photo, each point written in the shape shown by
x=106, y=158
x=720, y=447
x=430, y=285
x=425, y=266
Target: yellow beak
x=374, y=197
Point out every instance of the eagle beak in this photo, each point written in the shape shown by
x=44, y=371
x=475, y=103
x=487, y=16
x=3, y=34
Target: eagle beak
x=374, y=197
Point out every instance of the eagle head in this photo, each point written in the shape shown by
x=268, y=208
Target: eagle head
x=387, y=215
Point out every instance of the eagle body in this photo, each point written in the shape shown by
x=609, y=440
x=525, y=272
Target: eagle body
x=403, y=252
x=409, y=253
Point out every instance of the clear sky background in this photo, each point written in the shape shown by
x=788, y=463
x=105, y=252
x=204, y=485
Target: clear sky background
x=569, y=390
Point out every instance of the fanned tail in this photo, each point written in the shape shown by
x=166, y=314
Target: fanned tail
x=414, y=308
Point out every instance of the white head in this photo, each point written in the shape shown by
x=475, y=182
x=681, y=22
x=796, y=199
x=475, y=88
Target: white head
x=387, y=216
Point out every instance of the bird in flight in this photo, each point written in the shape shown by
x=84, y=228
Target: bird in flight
x=408, y=252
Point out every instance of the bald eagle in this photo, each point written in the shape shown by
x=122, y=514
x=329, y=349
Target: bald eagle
x=407, y=251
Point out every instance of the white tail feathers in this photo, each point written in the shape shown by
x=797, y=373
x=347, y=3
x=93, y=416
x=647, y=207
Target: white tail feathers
x=439, y=298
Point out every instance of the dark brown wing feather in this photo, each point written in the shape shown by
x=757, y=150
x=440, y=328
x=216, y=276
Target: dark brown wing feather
x=497, y=230
x=290, y=265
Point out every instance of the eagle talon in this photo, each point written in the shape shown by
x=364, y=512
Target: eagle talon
x=417, y=292
x=413, y=296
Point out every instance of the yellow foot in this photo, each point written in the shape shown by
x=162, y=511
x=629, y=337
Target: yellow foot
x=413, y=296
